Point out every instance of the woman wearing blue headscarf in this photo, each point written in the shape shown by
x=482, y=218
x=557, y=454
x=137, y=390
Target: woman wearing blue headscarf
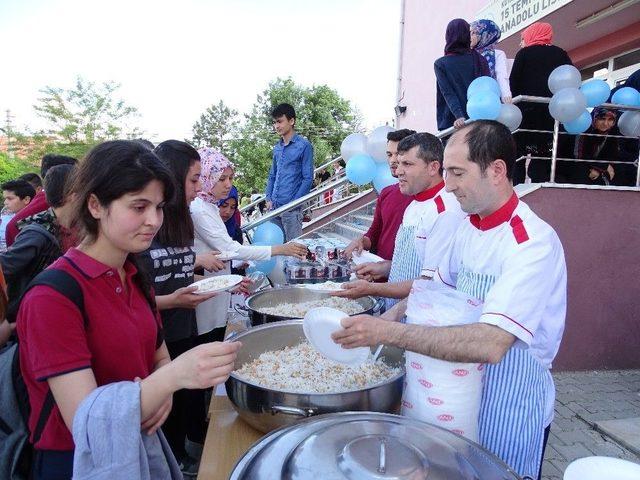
x=484, y=36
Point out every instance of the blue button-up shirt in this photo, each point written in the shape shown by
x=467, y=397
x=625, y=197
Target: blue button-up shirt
x=291, y=174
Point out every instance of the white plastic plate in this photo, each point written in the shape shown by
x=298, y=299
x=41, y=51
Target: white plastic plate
x=226, y=256
x=218, y=283
x=365, y=257
x=318, y=325
x=325, y=286
x=592, y=468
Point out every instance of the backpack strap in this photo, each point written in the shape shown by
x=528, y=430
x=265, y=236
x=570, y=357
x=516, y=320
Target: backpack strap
x=65, y=284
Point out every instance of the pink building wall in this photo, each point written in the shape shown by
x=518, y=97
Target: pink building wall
x=424, y=27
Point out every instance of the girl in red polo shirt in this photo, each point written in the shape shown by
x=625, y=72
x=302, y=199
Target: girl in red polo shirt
x=120, y=189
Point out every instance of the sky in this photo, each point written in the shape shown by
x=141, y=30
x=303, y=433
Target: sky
x=175, y=58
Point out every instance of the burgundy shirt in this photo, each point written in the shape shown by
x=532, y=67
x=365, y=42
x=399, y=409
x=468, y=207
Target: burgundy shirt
x=37, y=205
x=119, y=343
x=387, y=218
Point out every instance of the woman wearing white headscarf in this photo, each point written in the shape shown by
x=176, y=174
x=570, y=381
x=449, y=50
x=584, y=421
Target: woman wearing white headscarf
x=211, y=234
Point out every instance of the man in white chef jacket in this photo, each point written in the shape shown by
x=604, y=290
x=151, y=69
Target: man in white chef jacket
x=428, y=224
x=506, y=256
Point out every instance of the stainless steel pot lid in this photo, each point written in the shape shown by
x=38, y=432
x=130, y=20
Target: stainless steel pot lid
x=366, y=446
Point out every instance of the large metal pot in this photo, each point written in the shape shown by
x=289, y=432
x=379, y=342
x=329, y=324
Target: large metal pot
x=294, y=294
x=368, y=446
x=266, y=409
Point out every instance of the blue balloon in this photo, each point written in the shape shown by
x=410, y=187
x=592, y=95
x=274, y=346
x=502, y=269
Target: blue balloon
x=596, y=92
x=627, y=96
x=383, y=177
x=361, y=169
x=268, y=234
x=265, y=266
x=482, y=85
x=485, y=106
x=579, y=125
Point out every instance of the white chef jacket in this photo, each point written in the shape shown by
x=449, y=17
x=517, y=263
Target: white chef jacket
x=515, y=262
x=437, y=225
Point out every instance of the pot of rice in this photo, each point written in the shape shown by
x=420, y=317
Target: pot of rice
x=280, y=379
x=289, y=303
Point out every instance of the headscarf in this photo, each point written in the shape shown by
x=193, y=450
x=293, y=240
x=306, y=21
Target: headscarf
x=457, y=37
x=488, y=35
x=539, y=33
x=458, y=42
x=589, y=147
x=213, y=164
x=232, y=223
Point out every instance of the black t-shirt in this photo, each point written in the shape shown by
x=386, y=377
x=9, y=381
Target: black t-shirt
x=171, y=268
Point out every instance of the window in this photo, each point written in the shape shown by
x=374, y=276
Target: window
x=600, y=69
x=626, y=60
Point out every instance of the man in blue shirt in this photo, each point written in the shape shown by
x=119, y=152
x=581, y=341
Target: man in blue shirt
x=291, y=174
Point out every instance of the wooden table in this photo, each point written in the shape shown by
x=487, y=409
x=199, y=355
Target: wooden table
x=228, y=438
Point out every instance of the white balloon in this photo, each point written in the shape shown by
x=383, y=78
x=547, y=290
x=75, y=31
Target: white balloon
x=510, y=116
x=567, y=104
x=353, y=144
x=377, y=143
x=564, y=76
x=629, y=124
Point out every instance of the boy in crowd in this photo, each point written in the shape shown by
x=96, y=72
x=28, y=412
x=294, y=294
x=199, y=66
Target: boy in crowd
x=39, y=202
x=17, y=195
x=291, y=174
x=38, y=244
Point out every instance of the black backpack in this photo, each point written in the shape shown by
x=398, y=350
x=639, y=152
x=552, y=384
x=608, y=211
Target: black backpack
x=16, y=452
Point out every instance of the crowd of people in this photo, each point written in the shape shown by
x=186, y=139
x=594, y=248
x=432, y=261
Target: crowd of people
x=470, y=53
x=101, y=255
x=127, y=230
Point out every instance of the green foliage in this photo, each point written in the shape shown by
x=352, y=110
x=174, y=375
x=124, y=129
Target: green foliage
x=86, y=114
x=12, y=168
x=323, y=116
x=216, y=128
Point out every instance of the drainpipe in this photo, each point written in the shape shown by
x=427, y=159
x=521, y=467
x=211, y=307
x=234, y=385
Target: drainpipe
x=399, y=89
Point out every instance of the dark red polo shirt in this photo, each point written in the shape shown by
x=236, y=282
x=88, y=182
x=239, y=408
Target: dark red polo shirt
x=387, y=218
x=37, y=205
x=119, y=343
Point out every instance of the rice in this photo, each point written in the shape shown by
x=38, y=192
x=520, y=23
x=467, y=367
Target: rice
x=299, y=310
x=302, y=369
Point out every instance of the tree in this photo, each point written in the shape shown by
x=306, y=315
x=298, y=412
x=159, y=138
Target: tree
x=12, y=168
x=86, y=114
x=322, y=115
x=216, y=128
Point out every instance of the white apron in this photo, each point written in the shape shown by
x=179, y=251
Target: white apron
x=446, y=394
x=406, y=263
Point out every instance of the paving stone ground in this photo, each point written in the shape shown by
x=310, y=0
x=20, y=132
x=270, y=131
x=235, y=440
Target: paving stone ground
x=583, y=398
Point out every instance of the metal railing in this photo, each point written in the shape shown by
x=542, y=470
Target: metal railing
x=317, y=170
x=294, y=204
x=556, y=136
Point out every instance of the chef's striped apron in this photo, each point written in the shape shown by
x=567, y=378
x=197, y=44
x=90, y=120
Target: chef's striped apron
x=406, y=263
x=511, y=422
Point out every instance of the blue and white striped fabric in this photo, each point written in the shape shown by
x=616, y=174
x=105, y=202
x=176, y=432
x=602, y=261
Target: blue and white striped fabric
x=511, y=422
x=406, y=263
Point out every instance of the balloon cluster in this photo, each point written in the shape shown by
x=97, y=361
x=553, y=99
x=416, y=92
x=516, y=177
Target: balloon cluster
x=629, y=122
x=483, y=103
x=266, y=235
x=571, y=98
x=366, y=158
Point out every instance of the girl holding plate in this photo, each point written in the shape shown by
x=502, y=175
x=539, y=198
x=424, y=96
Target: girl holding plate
x=211, y=234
